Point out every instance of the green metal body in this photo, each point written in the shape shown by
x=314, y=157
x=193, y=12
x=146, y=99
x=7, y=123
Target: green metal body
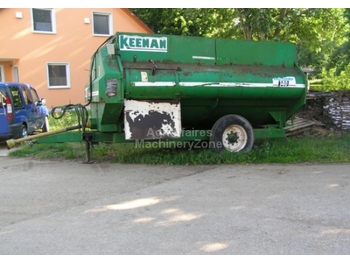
x=206, y=77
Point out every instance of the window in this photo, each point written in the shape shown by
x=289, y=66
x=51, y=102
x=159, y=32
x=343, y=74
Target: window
x=15, y=74
x=35, y=95
x=2, y=74
x=58, y=75
x=16, y=96
x=2, y=99
x=26, y=97
x=43, y=20
x=102, y=23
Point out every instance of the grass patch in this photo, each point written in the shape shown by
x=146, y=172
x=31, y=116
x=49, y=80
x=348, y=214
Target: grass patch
x=57, y=151
x=307, y=149
x=65, y=119
x=280, y=151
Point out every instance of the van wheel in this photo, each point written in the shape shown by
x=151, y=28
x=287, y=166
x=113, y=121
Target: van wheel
x=233, y=133
x=46, y=125
x=24, y=132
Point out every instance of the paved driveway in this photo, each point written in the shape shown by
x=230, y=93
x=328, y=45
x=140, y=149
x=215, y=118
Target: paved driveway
x=55, y=207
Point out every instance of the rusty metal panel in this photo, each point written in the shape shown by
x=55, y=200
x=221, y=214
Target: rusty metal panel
x=152, y=119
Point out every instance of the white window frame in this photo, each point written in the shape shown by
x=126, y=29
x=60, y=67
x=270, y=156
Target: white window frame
x=53, y=21
x=110, y=22
x=2, y=73
x=15, y=74
x=67, y=65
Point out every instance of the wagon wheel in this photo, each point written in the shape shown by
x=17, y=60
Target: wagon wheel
x=233, y=133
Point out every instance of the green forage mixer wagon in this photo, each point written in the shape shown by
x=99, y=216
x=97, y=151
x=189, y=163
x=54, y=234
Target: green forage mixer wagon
x=147, y=87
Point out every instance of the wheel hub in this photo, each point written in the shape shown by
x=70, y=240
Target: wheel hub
x=234, y=138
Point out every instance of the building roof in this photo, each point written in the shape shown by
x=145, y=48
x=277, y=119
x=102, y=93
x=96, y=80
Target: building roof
x=133, y=16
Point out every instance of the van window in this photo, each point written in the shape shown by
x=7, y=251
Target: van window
x=2, y=99
x=16, y=96
x=34, y=95
x=26, y=96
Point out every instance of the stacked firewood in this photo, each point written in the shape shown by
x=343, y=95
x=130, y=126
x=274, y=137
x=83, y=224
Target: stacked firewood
x=332, y=109
x=337, y=107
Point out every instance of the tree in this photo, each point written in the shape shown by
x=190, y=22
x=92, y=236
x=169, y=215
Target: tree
x=187, y=21
x=340, y=58
x=336, y=74
x=315, y=31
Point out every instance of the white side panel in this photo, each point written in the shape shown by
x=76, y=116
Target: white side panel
x=152, y=119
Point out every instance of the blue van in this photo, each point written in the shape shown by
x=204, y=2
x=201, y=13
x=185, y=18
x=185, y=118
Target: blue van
x=22, y=111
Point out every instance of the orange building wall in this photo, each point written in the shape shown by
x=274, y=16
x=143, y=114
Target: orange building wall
x=73, y=42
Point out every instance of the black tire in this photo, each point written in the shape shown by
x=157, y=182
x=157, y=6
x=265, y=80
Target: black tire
x=233, y=133
x=24, y=131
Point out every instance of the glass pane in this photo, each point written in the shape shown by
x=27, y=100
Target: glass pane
x=17, y=100
x=42, y=20
x=101, y=25
x=34, y=95
x=26, y=96
x=2, y=99
x=57, y=75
